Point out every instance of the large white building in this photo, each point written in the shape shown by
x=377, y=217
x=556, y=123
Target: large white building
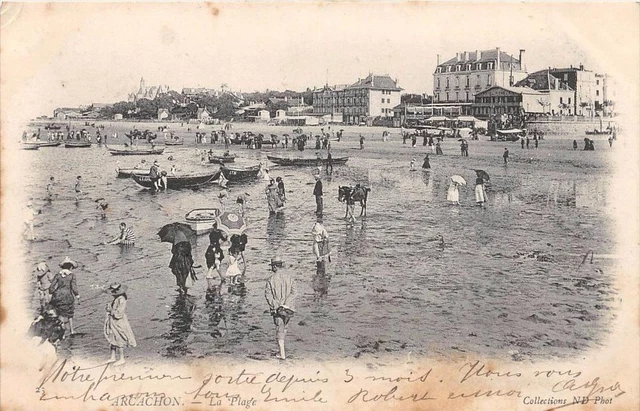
x=460, y=78
x=368, y=98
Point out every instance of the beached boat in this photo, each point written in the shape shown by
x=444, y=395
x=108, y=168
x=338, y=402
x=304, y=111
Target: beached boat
x=44, y=143
x=236, y=173
x=177, y=182
x=135, y=151
x=77, y=144
x=201, y=220
x=507, y=135
x=128, y=172
x=304, y=161
x=173, y=142
x=222, y=159
x=598, y=132
x=29, y=147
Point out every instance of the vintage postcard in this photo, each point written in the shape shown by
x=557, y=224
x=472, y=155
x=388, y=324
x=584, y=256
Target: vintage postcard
x=319, y=206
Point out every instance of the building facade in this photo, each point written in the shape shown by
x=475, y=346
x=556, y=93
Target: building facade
x=147, y=92
x=590, y=89
x=521, y=100
x=368, y=98
x=559, y=96
x=460, y=78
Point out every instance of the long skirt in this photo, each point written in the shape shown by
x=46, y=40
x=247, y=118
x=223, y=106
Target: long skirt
x=453, y=194
x=480, y=196
x=182, y=263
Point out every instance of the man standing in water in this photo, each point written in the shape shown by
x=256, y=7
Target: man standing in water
x=329, y=164
x=317, y=192
x=280, y=293
x=505, y=156
x=78, y=188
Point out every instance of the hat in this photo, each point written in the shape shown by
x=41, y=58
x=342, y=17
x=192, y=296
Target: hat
x=117, y=289
x=156, y=162
x=42, y=266
x=68, y=263
x=277, y=261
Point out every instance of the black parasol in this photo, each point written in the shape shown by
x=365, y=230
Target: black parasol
x=175, y=233
x=482, y=174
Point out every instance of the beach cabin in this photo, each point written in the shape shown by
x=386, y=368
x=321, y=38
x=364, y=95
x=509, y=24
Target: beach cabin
x=281, y=114
x=117, y=116
x=263, y=115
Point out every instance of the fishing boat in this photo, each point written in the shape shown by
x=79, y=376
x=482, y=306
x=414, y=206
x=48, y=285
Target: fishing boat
x=174, y=142
x=135, y=151
x=596, y=132
x=305, y=161
x=177, y=182
x=29, y=147
x=235, y=173
x=201, y=220
x=227, y=158
x=128, y=172
x=77, y=144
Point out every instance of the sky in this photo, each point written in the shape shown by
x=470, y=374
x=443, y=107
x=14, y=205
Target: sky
x=61, y=54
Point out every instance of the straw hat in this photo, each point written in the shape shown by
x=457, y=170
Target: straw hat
x=117, y=289
x=68, y=263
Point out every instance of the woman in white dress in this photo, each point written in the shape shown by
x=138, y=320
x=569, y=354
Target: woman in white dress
x=453, y=194
x=481, y=196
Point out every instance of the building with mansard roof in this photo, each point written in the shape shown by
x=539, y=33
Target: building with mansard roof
x=460, y=78
x=148, y=93
x=368, y=98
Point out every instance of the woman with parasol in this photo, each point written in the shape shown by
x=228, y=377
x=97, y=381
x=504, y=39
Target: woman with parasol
x=481, y=194
x=181, y=263
x=117, y=329
x=453, y=194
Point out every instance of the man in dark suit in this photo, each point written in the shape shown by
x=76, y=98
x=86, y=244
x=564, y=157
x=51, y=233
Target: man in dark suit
x=317, y=192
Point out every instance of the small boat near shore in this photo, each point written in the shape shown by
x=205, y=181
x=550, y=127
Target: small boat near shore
x=29, y=146
x=135, y=151
x=174, y=142
x=217, y=159
x=201, y=220
x=44, y=143
x=238, y=173
x=77, y=144
x=507, y=135
x=178, y=182
x=305, y=161
x=128, y=172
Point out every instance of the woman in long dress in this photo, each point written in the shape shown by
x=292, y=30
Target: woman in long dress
x=181, y=264
x=273, y=197
x=117, y=329
x=453, y=194
x=64, y=292
x=281, y=191
x=481, y=196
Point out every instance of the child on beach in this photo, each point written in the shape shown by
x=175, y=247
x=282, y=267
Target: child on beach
x=117, y=329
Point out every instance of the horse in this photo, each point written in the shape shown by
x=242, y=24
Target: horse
x=353, y=194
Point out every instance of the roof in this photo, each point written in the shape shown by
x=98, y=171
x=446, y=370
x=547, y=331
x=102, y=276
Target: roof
x=480, y=57
x=516, y=90
x=372, y=81
x=337, y=87
x=543, y=80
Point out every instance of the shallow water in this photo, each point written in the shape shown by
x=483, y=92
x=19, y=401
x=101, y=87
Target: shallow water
x=390, y=288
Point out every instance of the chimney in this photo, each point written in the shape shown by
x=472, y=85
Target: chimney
x=438, y=59
x=520, y=59
x=466, y=56
x=581, y=67
x=478, y=55
x=457, y=56
x=498, y=58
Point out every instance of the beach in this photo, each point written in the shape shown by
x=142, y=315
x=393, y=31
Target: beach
x=390, y=290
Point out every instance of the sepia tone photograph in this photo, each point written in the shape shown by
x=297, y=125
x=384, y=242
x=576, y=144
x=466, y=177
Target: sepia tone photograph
x=319, y=206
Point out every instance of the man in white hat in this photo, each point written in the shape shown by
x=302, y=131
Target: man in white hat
x=280, y=292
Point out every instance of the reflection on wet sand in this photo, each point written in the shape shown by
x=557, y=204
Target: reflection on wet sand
x=181, y=316
x=320, y=281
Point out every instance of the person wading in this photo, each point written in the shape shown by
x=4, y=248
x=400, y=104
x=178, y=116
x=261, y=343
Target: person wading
x=280, y=293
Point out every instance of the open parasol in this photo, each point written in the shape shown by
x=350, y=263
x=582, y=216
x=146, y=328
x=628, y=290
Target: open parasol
x=458, y=179
x=231, y=223
x=482, y=174
x=175, y=233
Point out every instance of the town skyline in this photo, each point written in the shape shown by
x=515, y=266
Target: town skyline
x=222, y=46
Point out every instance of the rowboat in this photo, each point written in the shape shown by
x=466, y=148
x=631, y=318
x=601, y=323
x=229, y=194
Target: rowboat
x=44, y=143
x=222, y=159
x=29, y=147
x=173, y=142
x=135, y=152
x=240, y=173
x=201, y=220
x=128, y=172
x=507, y=135
x=305, y=161
x=177, y=182
x=77, y=144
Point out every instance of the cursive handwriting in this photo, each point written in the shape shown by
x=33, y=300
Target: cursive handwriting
x=365, y=396
x=270, y=398
x=476, y=369
x=421, y=378
x=594, y=386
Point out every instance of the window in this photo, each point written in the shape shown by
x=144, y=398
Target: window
x=448, y=69
x=388, y=100
x=490, y=66
x=447, y=83
x=457, y=96
x=489, y=80
x=569, y=100
x=566, y=77
x=468, y=67
x=457, y=81
x=597, y=82
x=467, y=81
x=597, y=92
x=458, y=67
x=438, y=83
x=382, y=100
x=467, y=98
x=447, y=96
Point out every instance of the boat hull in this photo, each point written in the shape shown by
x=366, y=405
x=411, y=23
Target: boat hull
x=128, y=172
x=29, y=147
x=45, y=143
x=173, y=143
x=176, y=183
x=305, y=162
x=202, y=220
x=240, y=173
x=72, y=144
x=222, y=159
x=116, y=152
